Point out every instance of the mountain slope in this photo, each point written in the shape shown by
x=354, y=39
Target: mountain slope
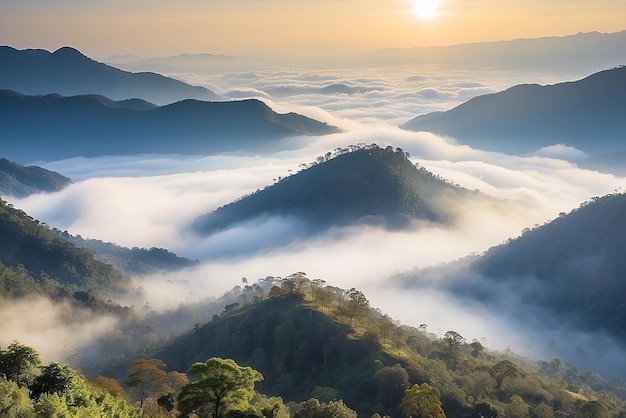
x=132, y=261
x=17, y=180
x=35, y=260
x=371, y=185
x=55, y=127
x=312, y=340
x=587, y=114
x=568, y=276
x=68, y=72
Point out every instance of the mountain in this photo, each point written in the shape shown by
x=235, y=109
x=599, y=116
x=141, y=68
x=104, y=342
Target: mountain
x=68, y=72
x=581, y=53
x=587, y=114
x=35, y=260
x=56, y=127
x=568, y=275
x=132, y=261
x=309, y=339
x=359, y=185
x=17, y=180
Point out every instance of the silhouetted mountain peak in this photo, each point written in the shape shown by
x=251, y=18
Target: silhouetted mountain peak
x=69, y=52
x=587, y=114
x=69, y=72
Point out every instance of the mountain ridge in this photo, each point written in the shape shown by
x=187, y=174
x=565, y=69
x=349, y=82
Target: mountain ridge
x=68, y=72
x=56, y=127
x=586, y=114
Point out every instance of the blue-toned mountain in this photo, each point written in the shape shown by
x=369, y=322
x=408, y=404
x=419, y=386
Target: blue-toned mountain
x=587, y=114
x=67, y=71
x=56, y=127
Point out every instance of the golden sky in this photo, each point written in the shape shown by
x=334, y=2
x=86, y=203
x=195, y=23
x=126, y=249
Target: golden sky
x=296, y=27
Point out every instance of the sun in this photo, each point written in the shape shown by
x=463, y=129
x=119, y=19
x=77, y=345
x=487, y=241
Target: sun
x=425, y=9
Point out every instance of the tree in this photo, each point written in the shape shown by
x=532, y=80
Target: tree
x=273, y=407
x=517, y=408
x=149, y=378
x=14, y=400
x=453, y=342
x=421, y=401
x=108, y=385
x=477, y=348
x=392, y=384
x=19, y=363
x=357, y=303
x=218, y=385
x=594, y=409
x=55, y=378
x=314, y=409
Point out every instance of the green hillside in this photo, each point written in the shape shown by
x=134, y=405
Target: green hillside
x=17, y=180
x=310, y=340
x=365, y=184
x=35, y=260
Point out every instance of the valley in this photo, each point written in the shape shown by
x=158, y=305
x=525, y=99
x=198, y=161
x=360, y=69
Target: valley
x=302, y=223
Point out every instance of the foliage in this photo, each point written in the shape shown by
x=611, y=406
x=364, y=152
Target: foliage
x=218, y=386
x=314, y=409
x=55, y=391
x=19, y=363
x=148, y=378
x=14, y=400
x=422, y=401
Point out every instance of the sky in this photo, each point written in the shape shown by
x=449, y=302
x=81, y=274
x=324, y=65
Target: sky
x=102, y=28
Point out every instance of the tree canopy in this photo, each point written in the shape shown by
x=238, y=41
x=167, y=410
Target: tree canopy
x=218, y=385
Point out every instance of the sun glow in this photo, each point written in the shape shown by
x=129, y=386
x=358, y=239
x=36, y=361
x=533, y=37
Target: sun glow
x=425, y=9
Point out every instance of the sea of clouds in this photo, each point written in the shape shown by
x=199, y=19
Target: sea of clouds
x=151, y=200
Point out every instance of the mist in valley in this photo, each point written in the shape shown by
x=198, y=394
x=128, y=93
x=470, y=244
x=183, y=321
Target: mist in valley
x=152, y=200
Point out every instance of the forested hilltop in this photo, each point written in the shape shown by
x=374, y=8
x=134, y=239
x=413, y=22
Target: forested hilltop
x=314, y=341
x=360, y=184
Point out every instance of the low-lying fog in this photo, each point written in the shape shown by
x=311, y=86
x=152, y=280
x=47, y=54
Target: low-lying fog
x=150, y=200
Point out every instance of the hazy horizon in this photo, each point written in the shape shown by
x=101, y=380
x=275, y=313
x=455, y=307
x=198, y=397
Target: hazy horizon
x=280, y=28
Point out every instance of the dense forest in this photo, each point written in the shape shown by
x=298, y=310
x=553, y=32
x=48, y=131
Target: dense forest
x=313, y=341
x=35, y=260
x=357, y=184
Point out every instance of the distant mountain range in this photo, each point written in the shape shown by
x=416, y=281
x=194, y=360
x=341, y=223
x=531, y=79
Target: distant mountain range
x=369, y=185
x=19, y=181
x=587, y=114
x=68, y=72
x=56, y=127
x=581, y=53
x=576, y=55
x=567, y=274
